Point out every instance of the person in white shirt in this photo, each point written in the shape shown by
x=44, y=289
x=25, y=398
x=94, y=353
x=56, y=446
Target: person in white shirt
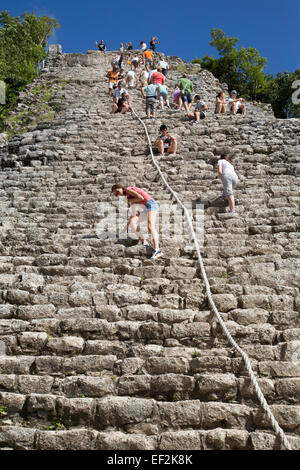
x=229, y=179
x=200, y=110
x=143, y=45
x=130, y=79
x=164, y=66
x=117, y=94
x=236, y=105
x=135, y=62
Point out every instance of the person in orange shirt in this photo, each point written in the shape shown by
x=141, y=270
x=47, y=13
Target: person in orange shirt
x=149, y=59
x=112, y=75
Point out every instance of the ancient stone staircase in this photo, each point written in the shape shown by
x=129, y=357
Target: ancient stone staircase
x=103, y=348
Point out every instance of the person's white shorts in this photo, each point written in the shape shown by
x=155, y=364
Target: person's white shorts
x=111, y=85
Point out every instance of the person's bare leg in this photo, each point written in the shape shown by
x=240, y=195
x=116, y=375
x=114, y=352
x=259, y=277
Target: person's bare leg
x=191, y=115
x=218, y=108
x=173, y=147
x=233, y=108
x=223, y=109
x=231, y=203
x=124, y=110
x=197, y=116
x=133, y=222
x=114, y=108
x=152, y=229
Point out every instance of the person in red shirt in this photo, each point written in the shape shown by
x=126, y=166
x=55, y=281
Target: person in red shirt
x=142, y=205
x=158, y=77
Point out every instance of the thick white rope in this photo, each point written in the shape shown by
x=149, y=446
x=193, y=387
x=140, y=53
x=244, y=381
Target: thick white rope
x=279, y=432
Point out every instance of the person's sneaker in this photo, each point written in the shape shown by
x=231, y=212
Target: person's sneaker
x=196, y=122
x=157, y=254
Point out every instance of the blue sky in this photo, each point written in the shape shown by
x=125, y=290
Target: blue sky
x=183, y=29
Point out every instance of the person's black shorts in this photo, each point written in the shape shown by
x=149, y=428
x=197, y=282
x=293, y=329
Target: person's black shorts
x=239, y=111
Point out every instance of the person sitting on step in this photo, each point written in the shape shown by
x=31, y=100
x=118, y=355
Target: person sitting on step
x=229, y=180
x=200, y=110
x=117, y=93
x=122, y=105
x=220, y=103
x=143, y=206
x=165, y=142
x=236, y=105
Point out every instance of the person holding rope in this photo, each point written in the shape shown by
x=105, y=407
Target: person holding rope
x=143, y=206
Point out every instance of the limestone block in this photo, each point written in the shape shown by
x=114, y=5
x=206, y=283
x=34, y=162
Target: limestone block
x=180, y=440
x=75, y=439
x=249, y=315
x=66, y=345
x=32, y=341
x=225, y=302
x=116, y=440
x=118, y=411
x=35, y=384
x=134, y=385
x=17, y=437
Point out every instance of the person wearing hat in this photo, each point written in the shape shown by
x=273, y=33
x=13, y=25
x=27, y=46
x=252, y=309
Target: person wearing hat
x=236, y=105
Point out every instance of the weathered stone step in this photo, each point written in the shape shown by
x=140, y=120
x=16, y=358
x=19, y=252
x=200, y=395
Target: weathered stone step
x=138, y=437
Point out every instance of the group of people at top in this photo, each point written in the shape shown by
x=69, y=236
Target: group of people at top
x=152, y=82
x=154, y=41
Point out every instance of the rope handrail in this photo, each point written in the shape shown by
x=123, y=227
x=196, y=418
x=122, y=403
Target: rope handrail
x=278, y=431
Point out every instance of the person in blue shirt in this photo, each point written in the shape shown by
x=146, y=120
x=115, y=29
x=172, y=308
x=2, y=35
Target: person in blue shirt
x=149, y=94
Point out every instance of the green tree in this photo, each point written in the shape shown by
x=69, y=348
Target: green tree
x=23, y=42
x=223, y=44
x=280, y=92
x=241, y=69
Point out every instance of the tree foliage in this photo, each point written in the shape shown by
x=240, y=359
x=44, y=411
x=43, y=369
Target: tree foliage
x=23, y=42
x=244, y=70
